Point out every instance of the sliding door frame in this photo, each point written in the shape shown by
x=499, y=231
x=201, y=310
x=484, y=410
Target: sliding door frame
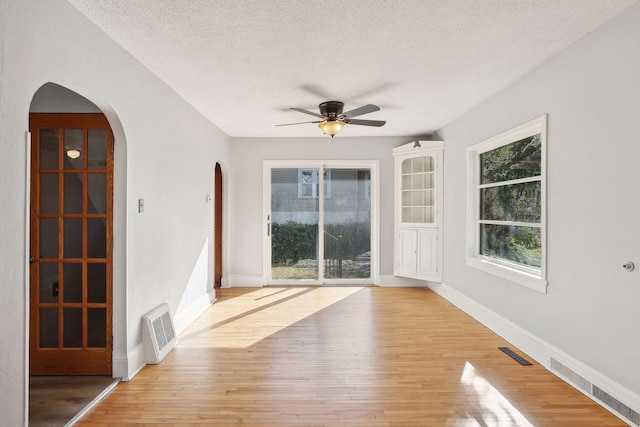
x=373, y=166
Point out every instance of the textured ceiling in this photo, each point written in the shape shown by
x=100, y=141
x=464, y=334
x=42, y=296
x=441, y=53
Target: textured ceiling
x=242, y=63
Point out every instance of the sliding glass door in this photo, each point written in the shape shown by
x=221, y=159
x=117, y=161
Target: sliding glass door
x=294, y=223
x=319, y=222
x=347, y=225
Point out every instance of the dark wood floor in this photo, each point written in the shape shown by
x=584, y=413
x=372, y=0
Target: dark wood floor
x=332, y=356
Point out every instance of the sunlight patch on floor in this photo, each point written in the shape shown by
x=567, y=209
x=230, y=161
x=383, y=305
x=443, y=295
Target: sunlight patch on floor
x=486, y=405
x=247, y=319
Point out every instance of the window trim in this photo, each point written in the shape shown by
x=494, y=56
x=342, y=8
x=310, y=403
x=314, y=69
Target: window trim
x=518, y=273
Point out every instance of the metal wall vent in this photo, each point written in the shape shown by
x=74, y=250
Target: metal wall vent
x=616, y=405
x=158, y=334
x=567, y=373
x=595, y=391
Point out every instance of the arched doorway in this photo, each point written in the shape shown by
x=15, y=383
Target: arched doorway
x=217, y=263
x=71, y=272
x=60, y=101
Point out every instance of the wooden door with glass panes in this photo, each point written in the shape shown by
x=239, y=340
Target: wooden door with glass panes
x=71, y=244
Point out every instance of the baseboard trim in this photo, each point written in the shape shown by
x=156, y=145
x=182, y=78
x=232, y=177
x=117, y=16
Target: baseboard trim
x=127, y=366
x=188, y=315
x=390, y=281
x=224, y=282
x=539, y=349
x=212, y=295
x=120, y=366
x=246, y=281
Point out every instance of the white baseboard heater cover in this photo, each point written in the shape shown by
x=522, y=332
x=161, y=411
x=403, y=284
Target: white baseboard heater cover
x=622, y=410
x=158, y=334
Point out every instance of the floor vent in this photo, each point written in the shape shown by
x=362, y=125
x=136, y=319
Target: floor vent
x=616, y=405
x=568, y=374
x=515, y=356
x=158, y=334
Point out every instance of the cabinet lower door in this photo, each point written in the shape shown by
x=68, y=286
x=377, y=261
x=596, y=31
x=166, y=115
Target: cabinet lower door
x=408, y=246
x=418, y=254
x=427, y=254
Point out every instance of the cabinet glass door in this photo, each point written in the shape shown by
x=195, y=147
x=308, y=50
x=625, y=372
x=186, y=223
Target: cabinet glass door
x=418, y=190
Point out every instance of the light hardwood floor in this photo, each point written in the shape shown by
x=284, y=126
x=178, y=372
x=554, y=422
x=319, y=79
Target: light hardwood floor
x=343, y=356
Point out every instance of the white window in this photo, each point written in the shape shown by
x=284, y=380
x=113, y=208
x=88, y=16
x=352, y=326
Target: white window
x=506, y=233
x=308, y=183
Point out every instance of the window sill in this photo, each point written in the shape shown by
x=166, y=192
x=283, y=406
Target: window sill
x=522, y=278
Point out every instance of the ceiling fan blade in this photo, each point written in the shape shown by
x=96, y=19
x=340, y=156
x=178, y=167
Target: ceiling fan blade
x=302, y=110
x=377, y=123
x=369, y=108
x=299, y=123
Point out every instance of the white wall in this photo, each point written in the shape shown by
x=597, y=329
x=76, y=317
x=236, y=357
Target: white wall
x=52, y=98
x=165, y=153
x=247, y=156
x=591, y=93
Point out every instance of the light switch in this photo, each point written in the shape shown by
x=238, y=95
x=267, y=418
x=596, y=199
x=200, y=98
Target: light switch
x=140, y=205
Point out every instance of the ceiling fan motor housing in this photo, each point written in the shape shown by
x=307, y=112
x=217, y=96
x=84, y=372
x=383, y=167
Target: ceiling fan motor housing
x=331, y=109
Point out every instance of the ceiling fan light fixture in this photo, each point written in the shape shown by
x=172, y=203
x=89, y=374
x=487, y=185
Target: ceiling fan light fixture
x=331, y=127
x=73, y=153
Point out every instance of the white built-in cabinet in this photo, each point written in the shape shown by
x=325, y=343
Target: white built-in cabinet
x=418, y=210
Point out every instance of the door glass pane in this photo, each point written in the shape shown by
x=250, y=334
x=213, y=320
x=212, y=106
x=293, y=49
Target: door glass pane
x=48, y=282
x=48, y=237
x=97, y=238
x=72, y=193
x=49, y=327
x=73, y=140
x=49, y=193
x=97, y=156
x=97, y=327
x=72, y=327
x=73, y=237
x=294, y=226
x=72, y=282
x=97, y=202
x=49, y=149
x=347, y=218
x=97, y=283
